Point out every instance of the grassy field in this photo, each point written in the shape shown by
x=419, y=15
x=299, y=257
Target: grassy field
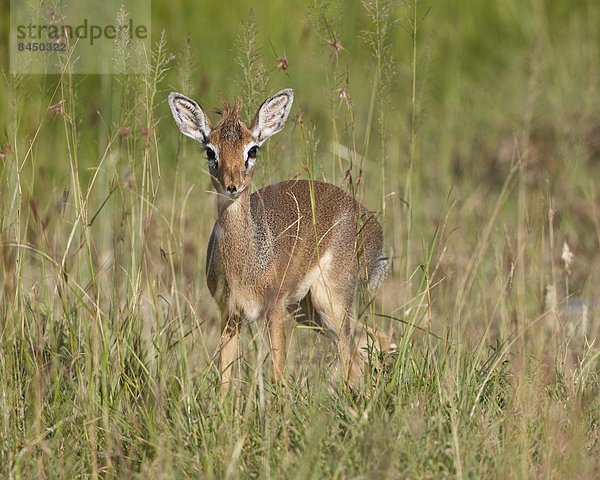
x=472, y=126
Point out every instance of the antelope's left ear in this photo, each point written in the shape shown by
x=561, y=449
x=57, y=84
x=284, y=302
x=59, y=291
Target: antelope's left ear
x=272, y=115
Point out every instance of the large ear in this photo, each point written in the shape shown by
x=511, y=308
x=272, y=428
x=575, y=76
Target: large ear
x=272, y=115
x=189, y=117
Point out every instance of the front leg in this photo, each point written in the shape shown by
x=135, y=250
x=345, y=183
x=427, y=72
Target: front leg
x=276, y=324
x=230, y=341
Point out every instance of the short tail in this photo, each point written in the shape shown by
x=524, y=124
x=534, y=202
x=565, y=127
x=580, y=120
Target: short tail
x=377, y=272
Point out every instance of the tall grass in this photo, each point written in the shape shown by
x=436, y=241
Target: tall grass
x=459, y=125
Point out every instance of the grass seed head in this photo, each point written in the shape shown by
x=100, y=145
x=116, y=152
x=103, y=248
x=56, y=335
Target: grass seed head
x=567, y=257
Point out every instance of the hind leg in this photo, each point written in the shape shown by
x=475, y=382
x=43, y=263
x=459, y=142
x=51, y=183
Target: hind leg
x=333, y=304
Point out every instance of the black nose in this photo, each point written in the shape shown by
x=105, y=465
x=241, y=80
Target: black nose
x=231, y=188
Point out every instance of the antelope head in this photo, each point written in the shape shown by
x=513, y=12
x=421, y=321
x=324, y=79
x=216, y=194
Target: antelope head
x=231, y=147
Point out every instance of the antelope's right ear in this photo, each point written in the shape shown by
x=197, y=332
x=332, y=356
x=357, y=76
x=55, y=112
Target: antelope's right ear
x=189, y=117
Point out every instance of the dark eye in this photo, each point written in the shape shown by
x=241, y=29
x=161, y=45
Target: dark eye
x=251, y=157
x=252, y=152
x=212, y=157
x=210, y=153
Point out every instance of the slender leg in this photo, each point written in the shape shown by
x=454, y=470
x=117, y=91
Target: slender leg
x=230, y=339
x=333, y=306
x=276, y=323
x=352, y=362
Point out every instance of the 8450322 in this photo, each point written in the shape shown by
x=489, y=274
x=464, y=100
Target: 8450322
x=41, y=47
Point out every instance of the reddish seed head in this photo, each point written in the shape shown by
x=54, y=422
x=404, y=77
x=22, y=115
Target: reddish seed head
x=5, y=150
x=58, y=108
x=282, y=63
x=344, y=94
x=298, y=118
x=147, y=132
x=336, y=45
x=124, y=131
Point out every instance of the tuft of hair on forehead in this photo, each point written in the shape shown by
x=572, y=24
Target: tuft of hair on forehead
x=230, y=110
x=229, y=126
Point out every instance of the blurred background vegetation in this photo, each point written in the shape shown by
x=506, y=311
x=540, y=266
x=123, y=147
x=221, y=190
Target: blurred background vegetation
x=490, y=76
x=473, y=126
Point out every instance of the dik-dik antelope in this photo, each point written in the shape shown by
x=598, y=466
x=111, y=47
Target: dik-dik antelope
x=286, y=243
